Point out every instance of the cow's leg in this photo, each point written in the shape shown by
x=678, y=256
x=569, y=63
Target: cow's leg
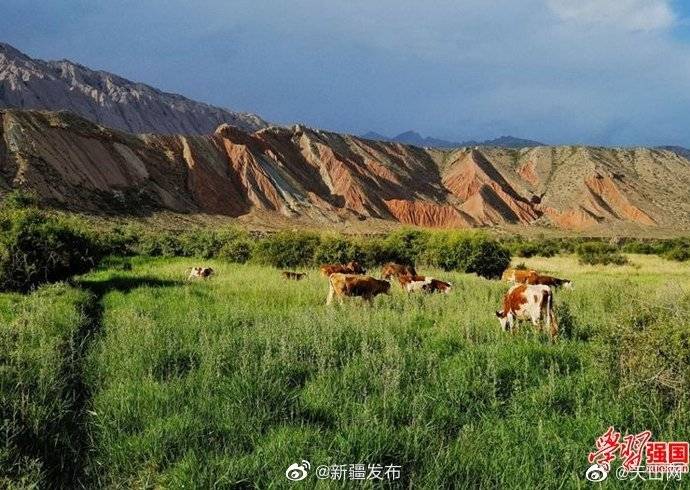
x=536, y=321
x=551, y=318
x=331, y=292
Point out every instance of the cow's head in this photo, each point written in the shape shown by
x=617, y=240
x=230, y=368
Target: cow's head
x=568, y=284
x=505, y=319
x=355, y=267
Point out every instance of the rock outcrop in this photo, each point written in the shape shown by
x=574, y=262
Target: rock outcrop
x=323, y=177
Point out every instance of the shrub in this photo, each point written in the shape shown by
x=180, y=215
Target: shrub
x=593, y=253
x=373, y=251
x=120, y=240
x=36, y=248
x=163, y=244
x=337, y=250
x=679, y=253
x=287, y=249
x=639, y=247
x=404, y=246
x=449, y=251
x=200, y=243
x=467, y=252
x=19, y=199
x=488, y=258
x=238, y=251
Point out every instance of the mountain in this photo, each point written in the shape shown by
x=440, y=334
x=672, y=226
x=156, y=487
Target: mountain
x=107, y=99
x=684, y=152
x=284, y=174
x=416, y=139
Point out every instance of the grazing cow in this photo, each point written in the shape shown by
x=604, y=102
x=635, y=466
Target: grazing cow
x=200, y=273
x=294, y=276
x=367, y=287
x=394, y=270
x=532, y=302
x=351, y=267
x=520, y=276
x=548, y=281
x=426, y=284
x=516, y=276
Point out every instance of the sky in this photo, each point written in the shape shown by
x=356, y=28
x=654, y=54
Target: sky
x=599, y=72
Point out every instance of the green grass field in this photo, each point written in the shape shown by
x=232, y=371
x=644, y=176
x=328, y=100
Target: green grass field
x=225, y=383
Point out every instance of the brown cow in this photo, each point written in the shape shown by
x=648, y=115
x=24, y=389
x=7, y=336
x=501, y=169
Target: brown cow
x=411, y=283
x=200, y=273
x=528, y=302
x=394, y=270
x=351, y=267
x=517, y=275
x=294, y=276
x=366, y=287
x=548, y=281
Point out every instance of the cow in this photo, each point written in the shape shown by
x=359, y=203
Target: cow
x=532, y=302
x=528, y=276
x=548, y=281
x=351, y=267
x=411, y=283
x=341, y=285
x=516, y=276
x=294, y=276
x=391, y=269
x=200, y=273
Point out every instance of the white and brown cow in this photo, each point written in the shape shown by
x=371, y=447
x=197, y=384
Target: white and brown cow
x=532, y=302
x=200, y=273
x=412, y=283
x=341, y=285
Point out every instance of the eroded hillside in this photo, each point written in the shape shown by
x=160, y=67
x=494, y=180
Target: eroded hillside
x=325, y=177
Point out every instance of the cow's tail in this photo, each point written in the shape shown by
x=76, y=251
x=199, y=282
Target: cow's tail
x=551, y=321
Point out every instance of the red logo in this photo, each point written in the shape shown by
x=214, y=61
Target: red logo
x=640, y=457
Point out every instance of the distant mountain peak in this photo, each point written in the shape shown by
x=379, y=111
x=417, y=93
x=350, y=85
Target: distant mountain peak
x=412, y=137
x=106, y=98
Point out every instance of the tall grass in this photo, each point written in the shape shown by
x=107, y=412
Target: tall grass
x=41, y=339
x=227, y=382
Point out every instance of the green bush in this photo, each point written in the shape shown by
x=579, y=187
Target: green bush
x=162, y=244
x=37, y=248
x=121, y=240
x=373, y=251
x=640, y=247
x=333, y=249
x=287, y=249
x=448, y=251
x=238, y=251
x=542, y=248
x=200, y=243
x=467, y=252
x=678, y=253
x=19, y=199
x=404, y=246
x=488, y=258
x=594, y=253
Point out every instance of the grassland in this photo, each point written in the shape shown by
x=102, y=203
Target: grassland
x=225, y=383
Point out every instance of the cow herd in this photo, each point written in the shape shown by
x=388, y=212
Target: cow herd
x=529, y=298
